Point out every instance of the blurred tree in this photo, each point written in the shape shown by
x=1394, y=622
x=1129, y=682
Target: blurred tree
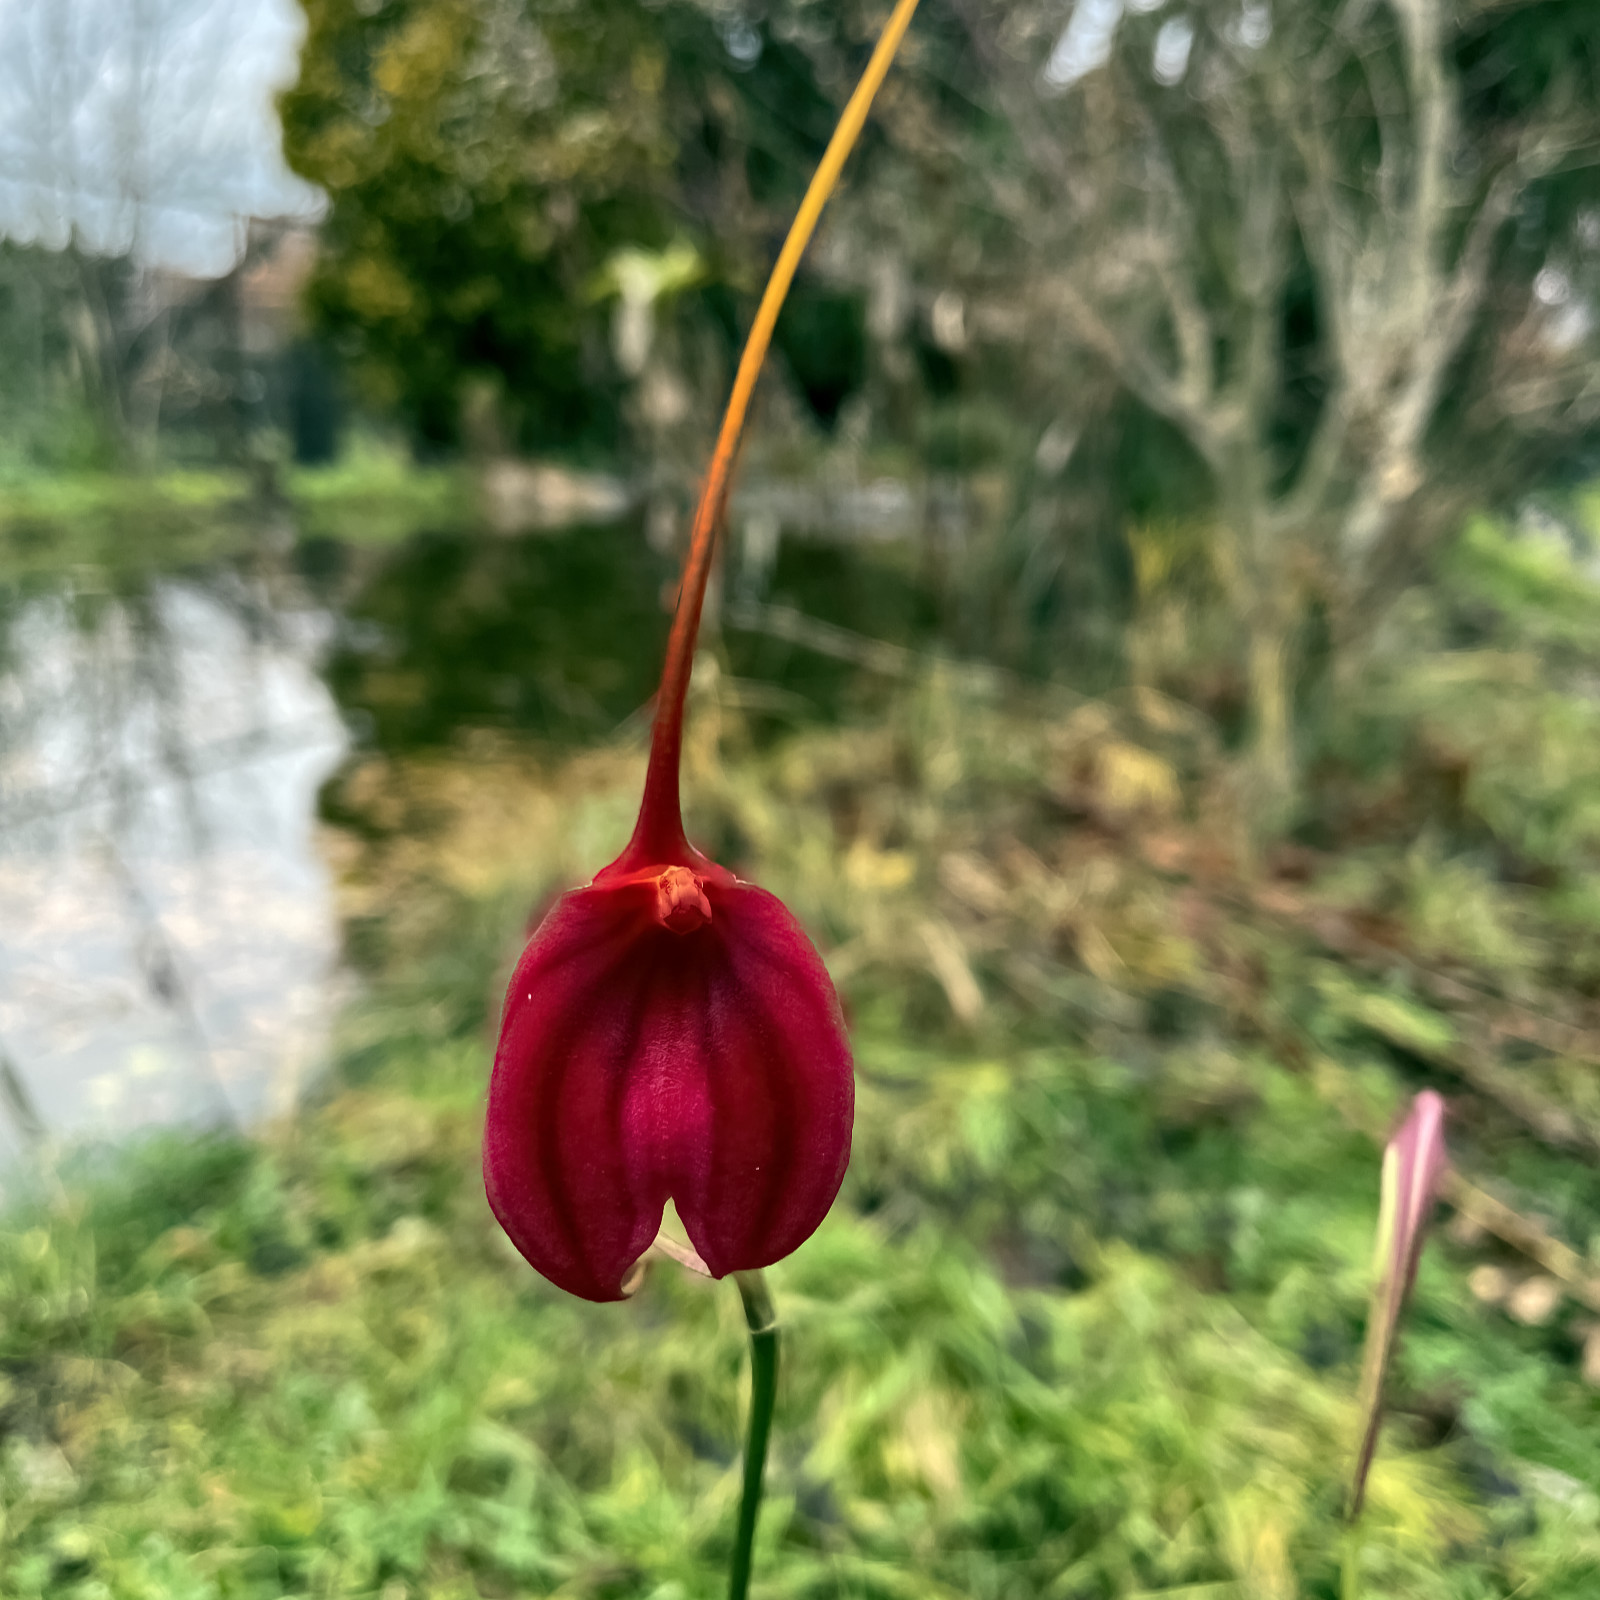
x=1348, y=253
x=70, y=328
x=513, y=183
x=1339, y=259
x=136, y=142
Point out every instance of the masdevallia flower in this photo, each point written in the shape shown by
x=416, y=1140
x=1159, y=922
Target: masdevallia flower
x=669, y=1033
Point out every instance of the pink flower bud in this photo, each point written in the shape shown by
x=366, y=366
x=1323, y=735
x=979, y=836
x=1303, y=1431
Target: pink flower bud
x=1412, y=1164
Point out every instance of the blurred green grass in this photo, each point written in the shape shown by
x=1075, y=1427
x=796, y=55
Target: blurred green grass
x=311, y=1366
x=1086, y=1321
x=168, y=516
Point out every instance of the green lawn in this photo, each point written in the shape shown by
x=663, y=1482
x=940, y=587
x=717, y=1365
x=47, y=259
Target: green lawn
x=175, y=516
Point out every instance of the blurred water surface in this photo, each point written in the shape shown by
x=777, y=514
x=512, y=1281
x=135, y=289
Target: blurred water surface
x=168, y=946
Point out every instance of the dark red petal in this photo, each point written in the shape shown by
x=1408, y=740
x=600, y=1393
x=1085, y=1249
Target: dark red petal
x=779, y=1088
x=638, y=1063
x=553, y=1158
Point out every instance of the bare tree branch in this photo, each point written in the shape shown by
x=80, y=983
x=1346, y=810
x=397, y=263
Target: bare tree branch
x=1164, y=392
x=1020, y=104
x=1394, y=475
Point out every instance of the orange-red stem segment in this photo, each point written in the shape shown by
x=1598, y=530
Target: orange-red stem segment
x=658, y=835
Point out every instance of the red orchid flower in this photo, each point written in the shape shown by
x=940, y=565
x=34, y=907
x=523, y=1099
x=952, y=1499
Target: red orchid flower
x=670, y=1032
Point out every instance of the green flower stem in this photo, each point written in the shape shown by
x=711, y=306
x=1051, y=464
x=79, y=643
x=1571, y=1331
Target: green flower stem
x=762, y=1321
x=1350, y=1563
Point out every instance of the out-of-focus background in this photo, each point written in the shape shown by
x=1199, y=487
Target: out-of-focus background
x=1156, y=652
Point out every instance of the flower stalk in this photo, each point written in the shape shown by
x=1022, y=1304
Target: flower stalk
x=762, y=1321
x=659, y=832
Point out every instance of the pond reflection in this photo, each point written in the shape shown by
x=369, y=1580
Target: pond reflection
x=559, y=637
x=168, y=941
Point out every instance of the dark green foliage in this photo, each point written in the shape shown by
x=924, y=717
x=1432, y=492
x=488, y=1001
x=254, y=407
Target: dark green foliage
x=823, y=338
x=470, y=214
x=486, y=159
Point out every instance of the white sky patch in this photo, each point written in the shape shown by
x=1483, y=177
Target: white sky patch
x=743, y=42
x=1568, y=319
x=1569, y=327
x=1173, y=44
x=1085, y=43
x=1254, y=26
x=146, y=126
x=1552, y=287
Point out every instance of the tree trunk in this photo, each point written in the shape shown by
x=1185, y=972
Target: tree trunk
x=1270, y=765
x=1254, y=563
